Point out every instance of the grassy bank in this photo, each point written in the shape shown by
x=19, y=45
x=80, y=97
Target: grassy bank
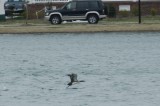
x=106, y=25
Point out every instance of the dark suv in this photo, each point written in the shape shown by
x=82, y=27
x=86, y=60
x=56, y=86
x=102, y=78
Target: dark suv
x=89, y=10
x=14, y=6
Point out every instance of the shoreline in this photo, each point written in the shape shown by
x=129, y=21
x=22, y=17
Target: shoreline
x=77, y=28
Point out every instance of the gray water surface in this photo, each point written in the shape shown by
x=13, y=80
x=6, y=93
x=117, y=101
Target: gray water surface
x=119, y=69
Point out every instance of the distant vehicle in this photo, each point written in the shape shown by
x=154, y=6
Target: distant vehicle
x=14, y=6
x=90, y=10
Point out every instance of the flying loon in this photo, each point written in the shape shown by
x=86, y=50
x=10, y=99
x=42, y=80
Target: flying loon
x=73, y=78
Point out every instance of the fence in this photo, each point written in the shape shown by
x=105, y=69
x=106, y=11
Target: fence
x=124, y=12
x=129, y=11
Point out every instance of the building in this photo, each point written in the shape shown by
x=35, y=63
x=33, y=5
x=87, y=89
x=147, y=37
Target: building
x=2, y=12
x=131, y=6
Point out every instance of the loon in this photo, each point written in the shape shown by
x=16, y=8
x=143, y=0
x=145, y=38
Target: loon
x=73, y=78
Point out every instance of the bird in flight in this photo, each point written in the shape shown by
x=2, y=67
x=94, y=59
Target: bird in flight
x=73, y=78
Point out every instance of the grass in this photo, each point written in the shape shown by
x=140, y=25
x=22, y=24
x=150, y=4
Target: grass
x=23, y=21
x=109, y=24
x=146, y=19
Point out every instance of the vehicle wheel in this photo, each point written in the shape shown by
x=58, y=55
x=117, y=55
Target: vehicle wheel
x=56, y=20
x=92, y=19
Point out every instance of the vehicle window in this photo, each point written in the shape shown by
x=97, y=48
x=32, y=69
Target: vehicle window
x=93, y=5
x=71, y=6
x=82, y=5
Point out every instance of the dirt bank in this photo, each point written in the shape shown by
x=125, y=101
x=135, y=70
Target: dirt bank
x=66, y=28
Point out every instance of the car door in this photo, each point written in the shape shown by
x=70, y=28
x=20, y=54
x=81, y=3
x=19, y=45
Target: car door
x=82, y=8
x=69, y=11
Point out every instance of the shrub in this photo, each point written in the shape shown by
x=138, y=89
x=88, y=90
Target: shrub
x=153, y=11
x=124, y=13
x=112, y=11
x=23, y=14
x=135, y=11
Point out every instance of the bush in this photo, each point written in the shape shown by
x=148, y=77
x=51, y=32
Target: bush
x=23, y=14
x=153, y=11
x=112, y=11
x=124, y=13
x=135, y=11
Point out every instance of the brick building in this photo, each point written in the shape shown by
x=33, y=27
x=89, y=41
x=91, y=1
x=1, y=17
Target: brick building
x=131, y=6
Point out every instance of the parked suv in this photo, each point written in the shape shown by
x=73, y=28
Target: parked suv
x=89, y=10
x=14, y=6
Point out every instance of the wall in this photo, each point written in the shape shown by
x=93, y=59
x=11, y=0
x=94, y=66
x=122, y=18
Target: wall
x=145, y=7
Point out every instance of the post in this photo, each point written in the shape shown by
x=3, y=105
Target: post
x=26, y=6
x=139, y=10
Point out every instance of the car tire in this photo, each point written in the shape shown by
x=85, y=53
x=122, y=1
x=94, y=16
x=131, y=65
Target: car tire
x=93, y=19
x=55, y=20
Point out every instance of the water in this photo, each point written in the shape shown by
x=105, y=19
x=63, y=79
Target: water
x=120, y=69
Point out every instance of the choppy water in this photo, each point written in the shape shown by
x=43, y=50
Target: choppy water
x=120, y=69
